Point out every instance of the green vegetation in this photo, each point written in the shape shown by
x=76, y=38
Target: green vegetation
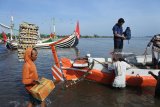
x=82, y=36
x=61, y=36
x=95, y=36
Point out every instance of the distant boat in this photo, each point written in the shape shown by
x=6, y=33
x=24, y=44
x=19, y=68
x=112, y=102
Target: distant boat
x=67, y=42
x=9, y=41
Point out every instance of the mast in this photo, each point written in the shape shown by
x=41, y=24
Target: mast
x=54, y=27
x=12, y=25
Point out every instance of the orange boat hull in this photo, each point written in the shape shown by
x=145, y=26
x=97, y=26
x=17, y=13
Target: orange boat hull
x=107, y=78
x=104, y=77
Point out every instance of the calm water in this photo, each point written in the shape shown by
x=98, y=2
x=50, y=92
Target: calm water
x=84, y=93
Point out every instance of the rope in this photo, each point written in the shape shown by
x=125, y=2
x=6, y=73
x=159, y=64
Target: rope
x=145, y=56
x=104, y=65
x=90, y=66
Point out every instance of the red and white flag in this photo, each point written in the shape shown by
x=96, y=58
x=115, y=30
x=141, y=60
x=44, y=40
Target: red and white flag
x=77, y=30
x=57, y=73
x=4, y=37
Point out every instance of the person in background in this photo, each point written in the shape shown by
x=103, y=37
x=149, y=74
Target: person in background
x=157, y=89
x=30, y=75
x=119, y=66
x=118, y=35
x=155, y=50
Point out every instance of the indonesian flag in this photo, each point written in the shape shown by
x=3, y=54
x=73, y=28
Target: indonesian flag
x=77, y=30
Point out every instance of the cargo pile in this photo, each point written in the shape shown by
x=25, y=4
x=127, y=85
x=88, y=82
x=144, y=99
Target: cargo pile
x=28, y=36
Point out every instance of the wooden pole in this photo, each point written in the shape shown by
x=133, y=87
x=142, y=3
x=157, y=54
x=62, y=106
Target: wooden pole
x=12, y=28
x=55, y=56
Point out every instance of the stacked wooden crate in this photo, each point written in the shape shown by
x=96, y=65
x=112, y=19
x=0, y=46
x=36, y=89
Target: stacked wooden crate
x=28, y=35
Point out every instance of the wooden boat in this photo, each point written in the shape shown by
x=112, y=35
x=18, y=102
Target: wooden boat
x=98, y=70
x=67, y=42
x=10, y=42
x=11, y=28
x=13, y=44
x=100, y=73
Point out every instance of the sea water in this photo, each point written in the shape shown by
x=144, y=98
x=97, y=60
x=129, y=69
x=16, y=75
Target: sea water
x=83, y=94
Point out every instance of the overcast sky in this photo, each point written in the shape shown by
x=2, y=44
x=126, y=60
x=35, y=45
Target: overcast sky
x=95, y=16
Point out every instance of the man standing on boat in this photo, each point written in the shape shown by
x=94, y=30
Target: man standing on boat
x=118, y=35
x=155, y=41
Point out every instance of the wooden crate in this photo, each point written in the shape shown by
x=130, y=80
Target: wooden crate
x=42, y=90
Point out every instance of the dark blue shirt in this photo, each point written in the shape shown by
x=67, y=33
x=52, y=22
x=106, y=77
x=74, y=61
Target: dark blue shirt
x=119, y=30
